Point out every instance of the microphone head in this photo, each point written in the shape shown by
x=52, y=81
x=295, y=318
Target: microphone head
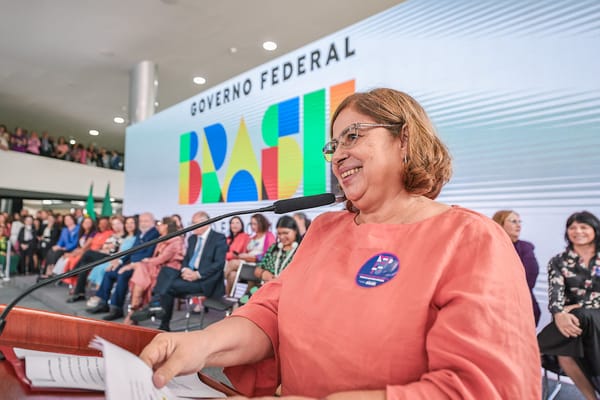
x=302, y=203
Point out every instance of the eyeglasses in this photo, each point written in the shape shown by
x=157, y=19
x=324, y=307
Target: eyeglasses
x=349, y=136
x=515, y=221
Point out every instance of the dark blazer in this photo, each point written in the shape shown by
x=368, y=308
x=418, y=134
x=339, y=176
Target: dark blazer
x=32, y=242
x=139, y=255
x=212, y=263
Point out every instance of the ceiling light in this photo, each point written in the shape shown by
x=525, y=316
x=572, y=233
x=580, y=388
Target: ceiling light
x=233, y=50
x=156, y=104
x=198, y=80
x=119, y=120
x=72, y=141
x=94, y=132
x=269, y=46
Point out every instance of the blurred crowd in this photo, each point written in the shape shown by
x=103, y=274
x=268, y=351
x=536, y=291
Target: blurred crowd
x=45, y=145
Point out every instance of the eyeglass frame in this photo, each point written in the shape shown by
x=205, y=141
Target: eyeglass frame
x=327, y=150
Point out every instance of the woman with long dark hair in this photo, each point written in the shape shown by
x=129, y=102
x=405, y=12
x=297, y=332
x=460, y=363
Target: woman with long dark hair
x=237, y=240
x=573, y=336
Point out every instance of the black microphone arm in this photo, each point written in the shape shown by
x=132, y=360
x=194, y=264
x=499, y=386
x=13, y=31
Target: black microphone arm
x=278, y=207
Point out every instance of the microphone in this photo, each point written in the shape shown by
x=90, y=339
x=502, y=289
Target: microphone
x=278, y=207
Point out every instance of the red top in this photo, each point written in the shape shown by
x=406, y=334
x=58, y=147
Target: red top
x=453, y=321
x=238, y=244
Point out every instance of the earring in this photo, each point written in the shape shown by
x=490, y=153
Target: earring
x=405, y=159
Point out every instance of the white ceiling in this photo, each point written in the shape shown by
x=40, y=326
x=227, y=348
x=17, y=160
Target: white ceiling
x=64, y=64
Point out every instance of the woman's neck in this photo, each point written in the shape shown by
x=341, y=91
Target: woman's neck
x=586, y=251
x=404, y=209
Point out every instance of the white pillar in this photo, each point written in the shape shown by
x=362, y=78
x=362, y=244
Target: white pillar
x=143, y=89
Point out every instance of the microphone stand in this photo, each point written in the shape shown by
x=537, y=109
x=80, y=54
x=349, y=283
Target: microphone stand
x=108, y=258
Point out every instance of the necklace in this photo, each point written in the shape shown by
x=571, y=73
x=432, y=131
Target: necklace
x=278, y=264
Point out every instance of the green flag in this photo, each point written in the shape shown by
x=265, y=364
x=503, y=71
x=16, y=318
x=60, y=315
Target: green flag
x=89, y=207
x=106, y=204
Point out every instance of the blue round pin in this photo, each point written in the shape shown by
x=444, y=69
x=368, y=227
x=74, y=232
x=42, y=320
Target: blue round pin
x=378, y=270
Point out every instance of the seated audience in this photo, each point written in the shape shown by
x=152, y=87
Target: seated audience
x=87, y=231
x=574, y=302
x=510, y=221
x=27, y=240
x=237, y=241
x=397, y=297
x=201, y=273
x=48, y=237
x=104, y=232
x=106, y=241
x=255, y=250
x=67, y=241
x=120, y=281
x=279, y=254
x=127, y=240
x=167, y=254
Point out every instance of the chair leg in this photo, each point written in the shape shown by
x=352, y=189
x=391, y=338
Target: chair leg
x=202, y=313
x=188, y=313
x=546, y=387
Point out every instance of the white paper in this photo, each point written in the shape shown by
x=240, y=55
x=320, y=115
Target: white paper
x=65, y=371
x=191, y=386
x=42, y=369
x=127, y=376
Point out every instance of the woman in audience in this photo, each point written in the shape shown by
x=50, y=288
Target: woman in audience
x=19, y=141
x=574, y=302
x=279, y=254
x=168, y=254
x=303, y=223
x=33, y=144
x=95, y=277
x=15, y=228
x=67, y=241
x=103, y=234
x=510, y=221
x=61, y=150
x=398, y=296
x=237, y=240
x=49, y=237
x=255, y=250
x=87, y=230
x=27, y=246
x=4, y=226
x=177, y=219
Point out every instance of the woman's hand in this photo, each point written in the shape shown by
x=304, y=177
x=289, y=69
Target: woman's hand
x=567, y=323
x=267, y=276
x=128, y=267
x=258, y=272
x=172, y=354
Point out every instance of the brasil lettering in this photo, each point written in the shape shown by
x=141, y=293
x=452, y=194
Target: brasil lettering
x=280, y=166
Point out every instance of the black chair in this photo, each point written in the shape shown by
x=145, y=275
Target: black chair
x=244, y=276
x=550, y=364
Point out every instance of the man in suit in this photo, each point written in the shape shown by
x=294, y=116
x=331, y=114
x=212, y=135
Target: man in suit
x=114, y=274
x=201, y=273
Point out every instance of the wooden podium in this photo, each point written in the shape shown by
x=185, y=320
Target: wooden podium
x=45, y=331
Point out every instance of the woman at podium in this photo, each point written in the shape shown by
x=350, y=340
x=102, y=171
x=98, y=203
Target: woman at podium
x=398, y=296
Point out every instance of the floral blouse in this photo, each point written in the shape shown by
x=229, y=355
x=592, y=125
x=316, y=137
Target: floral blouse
x=571, y=282
x=276, y=260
